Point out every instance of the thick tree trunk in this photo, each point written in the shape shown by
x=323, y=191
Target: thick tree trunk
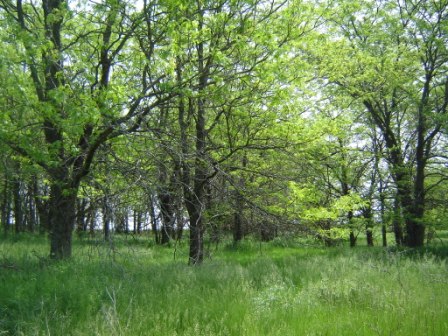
x=196, y=254
x=415, y=228
x=62, y=216
x=410, y=189
x=415, y=233
x=413, y=214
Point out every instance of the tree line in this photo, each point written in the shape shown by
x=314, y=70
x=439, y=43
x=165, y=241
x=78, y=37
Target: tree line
x=206, y=116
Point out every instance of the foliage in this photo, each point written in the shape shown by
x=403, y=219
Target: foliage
x=139, y=289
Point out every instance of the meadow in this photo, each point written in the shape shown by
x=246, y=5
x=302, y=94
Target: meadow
x=132, y=287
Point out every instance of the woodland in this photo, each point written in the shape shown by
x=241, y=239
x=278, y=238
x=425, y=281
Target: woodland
x=295, y=150
x=260, y=117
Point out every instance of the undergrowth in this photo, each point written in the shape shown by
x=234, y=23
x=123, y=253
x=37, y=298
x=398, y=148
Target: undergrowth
x=131, y=287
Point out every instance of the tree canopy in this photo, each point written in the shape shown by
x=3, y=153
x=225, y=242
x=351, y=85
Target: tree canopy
x=246, y=116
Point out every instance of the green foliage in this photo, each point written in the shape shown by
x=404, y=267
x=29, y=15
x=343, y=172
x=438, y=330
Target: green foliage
x=272, y=291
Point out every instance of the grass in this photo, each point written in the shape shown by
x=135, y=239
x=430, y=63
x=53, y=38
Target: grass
x=136, y=288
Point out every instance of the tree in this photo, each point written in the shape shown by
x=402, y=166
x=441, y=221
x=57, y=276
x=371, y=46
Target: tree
x=393, y=60
x=217, y=50
x=68, y=71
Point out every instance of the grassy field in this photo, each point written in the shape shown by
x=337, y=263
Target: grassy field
x=135, y=288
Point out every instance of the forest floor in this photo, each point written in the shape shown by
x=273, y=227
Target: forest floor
x=132, y=287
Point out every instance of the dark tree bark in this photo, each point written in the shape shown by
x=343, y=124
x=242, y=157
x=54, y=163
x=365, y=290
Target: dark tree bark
x=121, y=221
x=107, y=218
x=412, y=207
x=352, y=239
x=166, y=202
x=238, y=230
x=62, y=214
x=237, y=226
x=368, y=216
x=81, y=216
x=154, y=220
x=138, y=219
x=91, y=220
x=194, y=180
x=32, y=218
x=383, y=215
x=179, y=223
x=397, y=223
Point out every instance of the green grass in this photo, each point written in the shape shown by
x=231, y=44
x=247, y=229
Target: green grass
x=257, y=289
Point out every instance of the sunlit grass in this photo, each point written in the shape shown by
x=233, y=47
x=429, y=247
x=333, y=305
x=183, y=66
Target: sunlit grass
x=131, y=287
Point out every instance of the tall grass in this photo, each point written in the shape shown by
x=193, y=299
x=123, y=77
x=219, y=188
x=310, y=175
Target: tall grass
x=134, y=288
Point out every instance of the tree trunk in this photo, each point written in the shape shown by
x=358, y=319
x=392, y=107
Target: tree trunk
x=369, y=237
x=179, y=224
x=415, y=228
x=154, y=221
x=126, y=222
x=42, y=206
x=18, y=205
x=6, y=207
x=367, y=213
x=237, y=227
x=238, y=231
x=62, y=216
x=32, y=217
x=107, y=214
x=167, y=215
x=353, y=239
x=91, y=221
x=415, y=232
x=383, y=216
x=410, y=190
x=139, y=221
x=196, y=254
x=397, y=223
x=121, y=221
x=81, y=217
